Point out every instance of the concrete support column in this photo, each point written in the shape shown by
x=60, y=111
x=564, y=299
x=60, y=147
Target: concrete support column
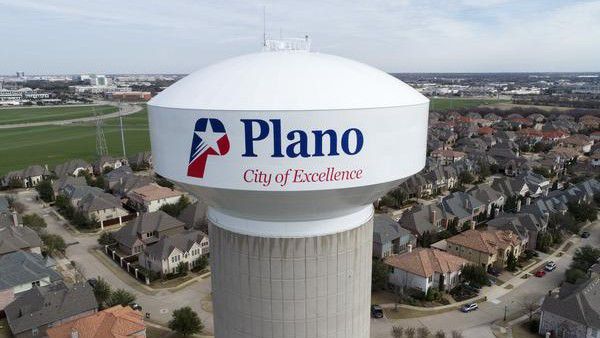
x=317, y=286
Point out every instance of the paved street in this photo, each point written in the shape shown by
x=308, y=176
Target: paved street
x=159, y=304
x=477, y=324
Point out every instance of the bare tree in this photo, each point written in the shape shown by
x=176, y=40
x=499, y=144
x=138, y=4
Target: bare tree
x=410, y=332
x=423, y=332
x=457, y=334
x=397, y=331
x=530, y=304
x=440, y=334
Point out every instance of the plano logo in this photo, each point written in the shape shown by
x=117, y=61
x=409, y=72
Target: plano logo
x=210, y=139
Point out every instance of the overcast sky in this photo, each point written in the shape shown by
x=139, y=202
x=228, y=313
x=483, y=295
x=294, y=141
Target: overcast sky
x=179, y=36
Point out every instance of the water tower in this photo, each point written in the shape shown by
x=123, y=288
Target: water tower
x=289, y=149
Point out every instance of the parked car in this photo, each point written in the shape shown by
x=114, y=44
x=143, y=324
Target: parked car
x=585, y=234
x=92, y=282
x=550, y=266
x=469, y=307
x=376, y=311
x=540, y=273
x=494, y=272
x=136, y=306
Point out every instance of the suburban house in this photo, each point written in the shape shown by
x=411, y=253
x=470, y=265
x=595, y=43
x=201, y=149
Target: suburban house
x=524, y=224
x=75, y=193
x=447, y=156
x=127, y=183
x=151, y=197
x=17, y=238
x=194, y=216
x=116, y=176
x=425, y=268
x=424, y=218
x=73, y=168
x=115, y=322
x=510, y=187
x=170, y=251
x=141, y=160
x=581, y=143
x=27, y=178
x=489, y=248
x=573, y=312
x=42, y=307
x=107, y=162
x=20, y=271
x=10, y=218
x=537, y=184
x=462, y=206
x=389, y=238
x=61, y=184
x=145, y=230
x=104, y=208
x=492, y=199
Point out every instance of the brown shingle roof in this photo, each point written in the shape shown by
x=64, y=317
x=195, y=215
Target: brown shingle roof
x=424, y=262
x=485, y=241
x=114, y=322
x=152, y=192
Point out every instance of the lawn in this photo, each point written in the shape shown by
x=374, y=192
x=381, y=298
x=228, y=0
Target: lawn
x=445, y=104
x=21, y=147
x=42, y=114
x=4, y=330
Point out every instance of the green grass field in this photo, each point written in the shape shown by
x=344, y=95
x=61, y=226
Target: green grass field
x=21, y=147
x=42, y=114
x=445, y=104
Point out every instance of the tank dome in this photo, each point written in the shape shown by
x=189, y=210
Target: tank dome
x=288, y=135
x=288, y=80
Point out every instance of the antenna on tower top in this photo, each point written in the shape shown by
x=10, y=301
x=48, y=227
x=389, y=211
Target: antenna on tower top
x=264, y=25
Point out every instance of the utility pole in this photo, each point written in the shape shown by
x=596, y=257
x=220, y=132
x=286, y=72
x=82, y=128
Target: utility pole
x=121, y=124
x=101, y=148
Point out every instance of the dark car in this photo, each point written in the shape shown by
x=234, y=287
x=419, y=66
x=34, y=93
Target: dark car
x=136, y=306
x=494, y=272
x=376, y=311
x=585, y=234
x=92, y=282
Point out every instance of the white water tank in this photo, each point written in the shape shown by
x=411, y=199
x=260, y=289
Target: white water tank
x=289, y=149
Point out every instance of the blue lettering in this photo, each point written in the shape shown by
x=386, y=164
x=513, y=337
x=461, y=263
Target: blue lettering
x=256, y=130
x=249, y=138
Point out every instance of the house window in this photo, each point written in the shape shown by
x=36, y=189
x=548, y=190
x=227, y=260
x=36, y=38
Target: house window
x=35, y=331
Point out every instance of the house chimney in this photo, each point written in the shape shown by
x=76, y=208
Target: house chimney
x=528, y=200
x=518, y=205
x=74, y=333
x=467, y=204
x=409, y=246
x=432, y=216
x=15, y=217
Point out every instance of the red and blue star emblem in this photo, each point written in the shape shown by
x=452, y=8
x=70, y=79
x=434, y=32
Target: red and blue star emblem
x=207, y=141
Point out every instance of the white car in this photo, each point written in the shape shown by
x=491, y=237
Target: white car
x=550, y=266
x=469, y=307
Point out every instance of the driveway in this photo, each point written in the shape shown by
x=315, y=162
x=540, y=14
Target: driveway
x=159, y=304
x=478, y=323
